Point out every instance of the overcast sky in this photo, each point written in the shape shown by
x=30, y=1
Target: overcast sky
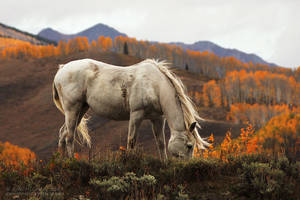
x=268, y=28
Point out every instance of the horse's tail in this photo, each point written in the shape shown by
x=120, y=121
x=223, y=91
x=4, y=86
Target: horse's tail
x=187, y=105
x=56, y=99
x=82, y=127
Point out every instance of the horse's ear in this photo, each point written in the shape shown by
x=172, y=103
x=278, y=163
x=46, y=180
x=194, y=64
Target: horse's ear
x=192, y=126
x=189, y=145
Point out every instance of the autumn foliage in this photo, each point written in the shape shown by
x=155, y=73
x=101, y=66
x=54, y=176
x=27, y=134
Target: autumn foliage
x=212, y=94
x=205, y=63
x=10, y=42
x=14, y=156
x=280, y=136
x=260, y=87
x=251, y=96
x=257, y=114
x=246, y=143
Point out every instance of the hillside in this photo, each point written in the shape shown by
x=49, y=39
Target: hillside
x=29, y=118
x=10, y=42
x=11, y=32
x=223, y=88
x=91, y=33
x=223, y=52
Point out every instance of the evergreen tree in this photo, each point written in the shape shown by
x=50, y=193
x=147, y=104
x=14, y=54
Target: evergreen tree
x=186, y=67
x=126, y=49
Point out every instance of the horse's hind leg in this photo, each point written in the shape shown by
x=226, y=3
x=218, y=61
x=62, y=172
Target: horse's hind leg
x=61, y=142
x=158, y=128
x=73, y=116
x=136, y=117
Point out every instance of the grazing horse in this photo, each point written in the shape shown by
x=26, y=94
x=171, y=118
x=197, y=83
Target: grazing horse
x=147, y=90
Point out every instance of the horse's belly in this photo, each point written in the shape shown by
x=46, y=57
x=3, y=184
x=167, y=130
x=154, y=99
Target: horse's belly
x=115, y=115
x=109, y=108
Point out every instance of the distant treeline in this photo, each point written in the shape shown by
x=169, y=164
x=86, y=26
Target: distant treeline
x=205, y=63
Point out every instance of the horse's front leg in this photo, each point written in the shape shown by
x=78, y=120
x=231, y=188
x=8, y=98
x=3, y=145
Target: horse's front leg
x=158, y=128
x=136, y=117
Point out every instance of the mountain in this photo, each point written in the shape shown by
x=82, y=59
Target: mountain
x=11, y=32
x=223, y=52
x=91, y=33
x=54, y=35
x=97, y=30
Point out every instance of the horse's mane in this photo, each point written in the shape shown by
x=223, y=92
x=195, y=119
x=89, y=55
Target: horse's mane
x=189, y=112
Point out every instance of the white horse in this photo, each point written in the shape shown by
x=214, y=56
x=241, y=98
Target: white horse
x=147, y=90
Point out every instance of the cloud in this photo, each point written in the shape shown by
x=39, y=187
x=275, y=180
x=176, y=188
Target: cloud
x=267, y=28
x=288, y=48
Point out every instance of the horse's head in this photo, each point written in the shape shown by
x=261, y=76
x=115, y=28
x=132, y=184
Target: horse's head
x=181, y=145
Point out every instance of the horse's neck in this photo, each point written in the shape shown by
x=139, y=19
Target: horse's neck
x=174, y=115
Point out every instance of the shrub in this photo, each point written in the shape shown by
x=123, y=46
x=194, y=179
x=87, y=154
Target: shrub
x=236, y=162
x=261, y=180
x=133, y=175
x=129, y=186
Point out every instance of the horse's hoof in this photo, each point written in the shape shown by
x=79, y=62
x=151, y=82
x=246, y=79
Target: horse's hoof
x=61, y=152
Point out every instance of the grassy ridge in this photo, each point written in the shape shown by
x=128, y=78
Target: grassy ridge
x=133, y=175
x=37, y=37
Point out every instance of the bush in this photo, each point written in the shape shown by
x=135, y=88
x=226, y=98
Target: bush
x=133, y=175
x=237, y=162
x=261, y=180
x=129, y=186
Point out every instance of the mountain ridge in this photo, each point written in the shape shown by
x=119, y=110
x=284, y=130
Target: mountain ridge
x=12, y=32
x=223, y=52
x=91, y=33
